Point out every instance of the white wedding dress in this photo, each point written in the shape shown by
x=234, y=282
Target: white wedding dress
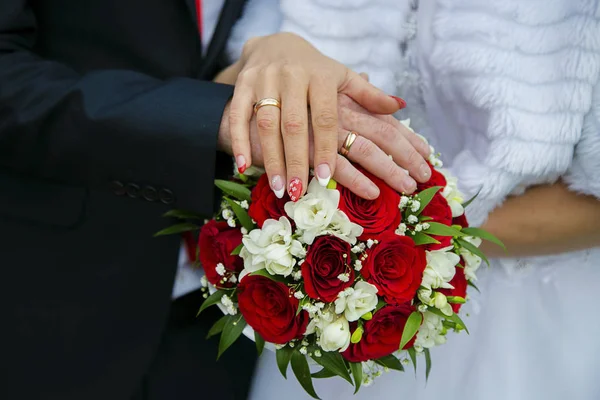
x=508, y=91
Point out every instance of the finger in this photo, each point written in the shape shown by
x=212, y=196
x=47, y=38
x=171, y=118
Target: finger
x=268, y=123
x=364, y=75
x=366, y=153
x=323, y=104
x=294, y=126
x=389, y=139
x=368, y=96
x=240, y=113
x=350, y=177
x=415, y=140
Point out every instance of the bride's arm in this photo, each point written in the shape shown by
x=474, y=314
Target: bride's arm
x=546, y=219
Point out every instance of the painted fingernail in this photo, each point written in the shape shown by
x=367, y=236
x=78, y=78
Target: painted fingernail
x=400, y=101
x=277, y=186
x=295, y=189
x=323, y=174
x=425, y=171
x=240, y=160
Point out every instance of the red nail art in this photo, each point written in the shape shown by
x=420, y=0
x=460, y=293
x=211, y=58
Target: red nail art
x=242, y=168
x=400, y=101
x=295, y=189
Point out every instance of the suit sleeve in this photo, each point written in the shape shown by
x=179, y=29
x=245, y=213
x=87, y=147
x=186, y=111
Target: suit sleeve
x=104, y=125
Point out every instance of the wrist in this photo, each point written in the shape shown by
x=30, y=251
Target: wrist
x=224, y=138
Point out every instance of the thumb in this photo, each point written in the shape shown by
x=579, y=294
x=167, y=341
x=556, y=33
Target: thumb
x=368, y=96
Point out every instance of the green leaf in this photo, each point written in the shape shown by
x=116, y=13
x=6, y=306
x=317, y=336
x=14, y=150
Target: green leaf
x=410, y=329
x=283, y=356
x=422, y=238
x=260, y=343
x=181, y=214
x=334, y=362
x=324, y=373
x=218, y=326
x=473, y=249
x=413, y=357
x=380, y=304
x=231, y=332
x=425, y=197
x=241, y=214
x=357, y=372
x=390, y=362
x=480, y=233
x=233, y=189
x=266, y=274
x=465, y=205
x=435, y=228
x=237, y=250
x=425, y=218
x=211, y=300
x=473, y=286
x=427, y=363
x=178, y=228
x=302, y=372
x=454, y=318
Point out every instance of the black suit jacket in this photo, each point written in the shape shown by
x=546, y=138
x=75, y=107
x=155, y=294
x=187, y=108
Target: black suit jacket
x=105, y=124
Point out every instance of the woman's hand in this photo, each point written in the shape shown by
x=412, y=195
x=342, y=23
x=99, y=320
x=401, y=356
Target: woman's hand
x=287, y=68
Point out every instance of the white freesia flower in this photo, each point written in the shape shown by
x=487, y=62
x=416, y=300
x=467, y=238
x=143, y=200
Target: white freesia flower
x=335, y=335
x=342, y=228
x=453, y=196
x=472, y=261
x=271, y=248
x=431, y=333
x=361, y=300
x=441, y=267
x=314, y=212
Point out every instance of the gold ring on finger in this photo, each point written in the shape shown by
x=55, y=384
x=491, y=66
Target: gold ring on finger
x=267, y=101
x=348, y=142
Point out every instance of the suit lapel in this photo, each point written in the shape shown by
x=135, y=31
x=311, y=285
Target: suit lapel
x=232, y=9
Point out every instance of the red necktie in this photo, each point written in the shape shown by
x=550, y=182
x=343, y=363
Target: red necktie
x=188, y=237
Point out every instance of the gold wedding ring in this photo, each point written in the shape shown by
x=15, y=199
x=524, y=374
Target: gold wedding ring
x=267, y=101
x=348, y=143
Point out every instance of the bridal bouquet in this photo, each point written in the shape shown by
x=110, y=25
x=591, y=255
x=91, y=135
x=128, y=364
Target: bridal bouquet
x=356, y=286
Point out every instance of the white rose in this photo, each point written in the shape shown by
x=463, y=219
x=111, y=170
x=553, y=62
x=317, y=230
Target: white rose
x=431, y=332
x=441, y=267
x=361, y=300
x=472, y=262
x=271, y=248
x=313, y=212
x=335, y=335
x=453, y=196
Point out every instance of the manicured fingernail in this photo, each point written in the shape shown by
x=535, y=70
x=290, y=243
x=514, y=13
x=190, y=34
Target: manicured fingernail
x=323, y=174
x=425, y=171
x=278, y=186
x=295, y=189
x=400, y=101
x=410, y=185
x=240, y=160
x=372, y=191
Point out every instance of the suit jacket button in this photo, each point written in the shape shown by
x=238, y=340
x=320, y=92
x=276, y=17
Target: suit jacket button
x=118, y=188
x=166, y=196
x=133, y=190
x=150, y=194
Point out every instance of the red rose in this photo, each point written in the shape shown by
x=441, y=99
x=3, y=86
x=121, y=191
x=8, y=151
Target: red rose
x=382, y=334
x=270, y=310
x=440, y=212
x=437, y=179
x=264, y=203
x=375, y=216
x=217, y=241
x=324, y=262
x=395, y=266
x=460, y=287
x=461, y=220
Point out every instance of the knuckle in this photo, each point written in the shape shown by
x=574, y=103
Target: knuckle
x=271, y=162
x=356, y=179
x=366, y=148
x=386, y=132
x=413, y=158
x=326, y=120
x=235, y=117
x=295, y=164
x=290, y=70
x=271, y=71
x=266, y=122
x=294, y=124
